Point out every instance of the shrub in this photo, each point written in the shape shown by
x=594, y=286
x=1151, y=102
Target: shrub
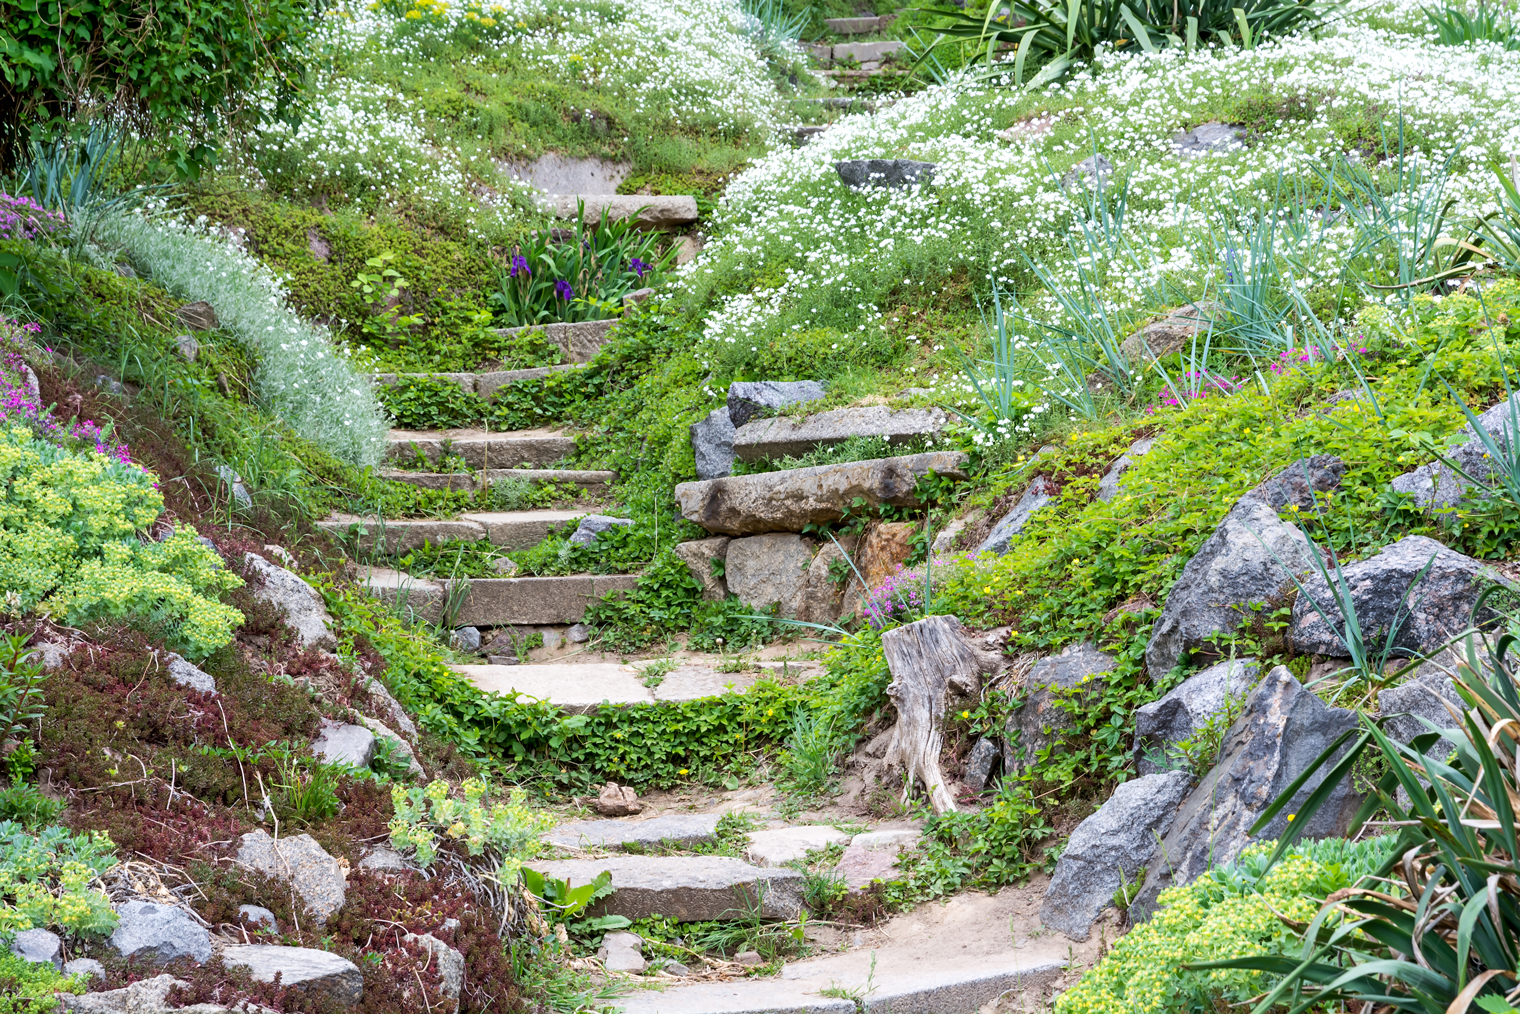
x=69, y=546
x=46, y=880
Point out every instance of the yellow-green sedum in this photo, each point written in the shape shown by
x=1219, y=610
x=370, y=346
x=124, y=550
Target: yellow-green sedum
x=508, y=831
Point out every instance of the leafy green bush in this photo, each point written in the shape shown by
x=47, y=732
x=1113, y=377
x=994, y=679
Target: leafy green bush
x=47, y=878
x=1237, y=910
x=69, y=546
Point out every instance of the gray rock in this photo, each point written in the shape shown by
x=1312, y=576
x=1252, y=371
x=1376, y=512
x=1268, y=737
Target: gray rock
x=87, y=967
x=1437, y=487
x=234, y=483
x=578, y=633
x=450, y=963
x=300, y=861
x=622, y=952
x=787, y=501
x=762, y=439
x=146, y=996
x=1090, y=172
x=749, y=958
x=504, y=566
x=301, y=967
x=344, y=744
x=465, y=639
x=1108, y=486
x=675, y=968
x=1039, y=721
x=159, y=933
x=823, y=598
x=892, y=173
x=32, y=385
x=1249, y=558
x=1209, y=138
x=1187, y=708
x=188, y=346
x=398, y=744
x=187, y=675
x=1283, y=730
x=257, y=917
x=698, y=555
x=38, y=946
x=770, y=570
x=687, y=830
x=750, y=399
x=382, y=858
x=303, y=606
x=1426, y=696
x=779, y=846
x=1172, y=333
x=593, y=525
x=1296, y=485
x=712, y=444
x=200, y=315
x=980, y=761
x=110, y=385
x=382, y=701
x=684, y=888
x=1111, y=848
x=1386, y=597
x=1036, y=497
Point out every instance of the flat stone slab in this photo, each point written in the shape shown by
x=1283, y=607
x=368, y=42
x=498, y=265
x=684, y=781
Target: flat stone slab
x=302, y=967
x=858, y=26
x=683, y=829
x=873, y=856
x=778, y=846
x=864, y=51
x=779, y=437
x=684, y=888
x=588, y=479
x=520, y=529
x=663, y=210
x=578, y=342
x=787, y=501
x=583, y=687
x=431, y=480
x=421, y=596
x=500, y=601
x=743, y=996
x=398, y=536
x=487, y=384
x=480, y=449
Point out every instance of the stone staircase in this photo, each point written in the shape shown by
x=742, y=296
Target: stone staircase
x=866, y=59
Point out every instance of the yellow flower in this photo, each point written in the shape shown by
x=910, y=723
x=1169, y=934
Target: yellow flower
x=1292, y=815
x=987, y=590
x=683, y=771
x=965, y=714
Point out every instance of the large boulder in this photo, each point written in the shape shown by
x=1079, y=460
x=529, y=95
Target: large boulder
x=790, y=500
x=1040, y=721
x=1187, y=708
x=1282, y=731
x=1172, y=333
x=892, y=173
x=1422, y=614
x=297, y=859
x=302, y=605
x=749, y=399
x=302, y=968
x=1035, y=498
x=1296, y=485
x=698, y=555
x=1111, y=848
x=770, y=570
x=712, y=444
x=1251, y=557
x=1438, y=487
x=824, y=598
x=159, y=933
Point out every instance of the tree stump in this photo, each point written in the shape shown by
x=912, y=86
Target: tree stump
x=929, y=659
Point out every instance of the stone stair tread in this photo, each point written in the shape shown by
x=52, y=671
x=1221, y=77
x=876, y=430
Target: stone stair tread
x=588, y=478
x=658, y=210
x=778, y=846
x=684, y=888
x=858, y=26
x=742, y=996
x=783, y=436
x=497, y=601
x=509, y=529
x=479, y=448
x=520, y=529
x=470, y=433
x=684, y=829
x=582, y=687
x=483, y=383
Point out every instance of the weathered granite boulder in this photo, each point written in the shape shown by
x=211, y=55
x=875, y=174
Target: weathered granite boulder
x=750, y=399
x=1040, y=721
x=1172, y=333
x=770, y=570
x=1437, y=487
x=698, y=556
x=1035, y=498
x=1386, y=596
x=984, y=754
x=1283, y=730
x=824, y=598
x=303, y=607
x=622, y=952
x=1111, y=848
x=159, y=933
x=593, y=525
x=712, y=444
x=1108, y=486
x=297, y=859
x=789, y=500
x=187, y=675
x=1251, y=557
x=304, y=968
x=884, y=172
x=761, y=439
x=1296, y=485
x=1426, y=696
x=400, y=748
x=450, y=964
x=39, y=946
x=338, y=743
x=1187, y=708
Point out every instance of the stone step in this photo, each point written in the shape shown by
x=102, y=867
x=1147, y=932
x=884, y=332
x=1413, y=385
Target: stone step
x=495, y=601
x=686, y=830
x=684, y=888
x=865, y=73
x=578, y=342
x=802, y=133
x=858, y=52
x=858, y=26
x=664, y=211
x=480, y=449
x=782, y=436
x=579, y=688
x=483, y=384
x=509, y=529
x=593, y=481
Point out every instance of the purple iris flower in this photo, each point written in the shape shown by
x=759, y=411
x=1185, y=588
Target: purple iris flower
x=639, y=267
x=563, y=291
x=520, y=266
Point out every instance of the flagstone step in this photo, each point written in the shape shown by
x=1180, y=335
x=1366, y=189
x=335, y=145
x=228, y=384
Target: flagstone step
x=684, y=888
x=583, y=687
x=663, y=211
x=593, y=481
x=578, y=342
x=686, y=830
x=782, y=436
x=482, y=449
x=495, y=601
x=858, y=26
x=483, y=384
x=508, y=529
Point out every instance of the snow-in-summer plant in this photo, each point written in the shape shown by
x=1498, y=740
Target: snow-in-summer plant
x=507, y=832
x=300, y=377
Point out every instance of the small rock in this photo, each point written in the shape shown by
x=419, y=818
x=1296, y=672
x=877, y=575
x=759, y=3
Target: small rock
x=450, y=963
x=382, y=701
x=593, y=525
x=1090, y=172
x=892, y=173
x=234, y=482
x=698, y=555
x=199, y=315
x=712, y=444
x=578, y=634
x=636, y=297
x=466, y=639
x=259, y=918
x=32, y=385
x=318, y=245
x=188, y=346
x=502, y=660
x=622, y=952
x=146, y=996
x=1296, y=485
x=301, y=967
x=110, y=385
x=297, y=859
x=39, y=947
x=303, y=606
x=344, y=744
x=124, y=270
x=504, y=566
x=398, y=745
x=675, y=968
x=749, y=958
x=382, y=858
x=1426, y=696
x=1039, y=722
x=747, y=400
x=1187, y=708
x=980, y=761
x=998, y=541
x=1172, y=333
x=1209, y=138
x=617, y=801
x=1108, y=486
x=87, y=967
x=159, y=933
x=187, y=675
x=1437, y=487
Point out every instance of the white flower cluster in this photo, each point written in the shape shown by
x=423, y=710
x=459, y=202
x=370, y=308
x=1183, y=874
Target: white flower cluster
x=300, y=377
